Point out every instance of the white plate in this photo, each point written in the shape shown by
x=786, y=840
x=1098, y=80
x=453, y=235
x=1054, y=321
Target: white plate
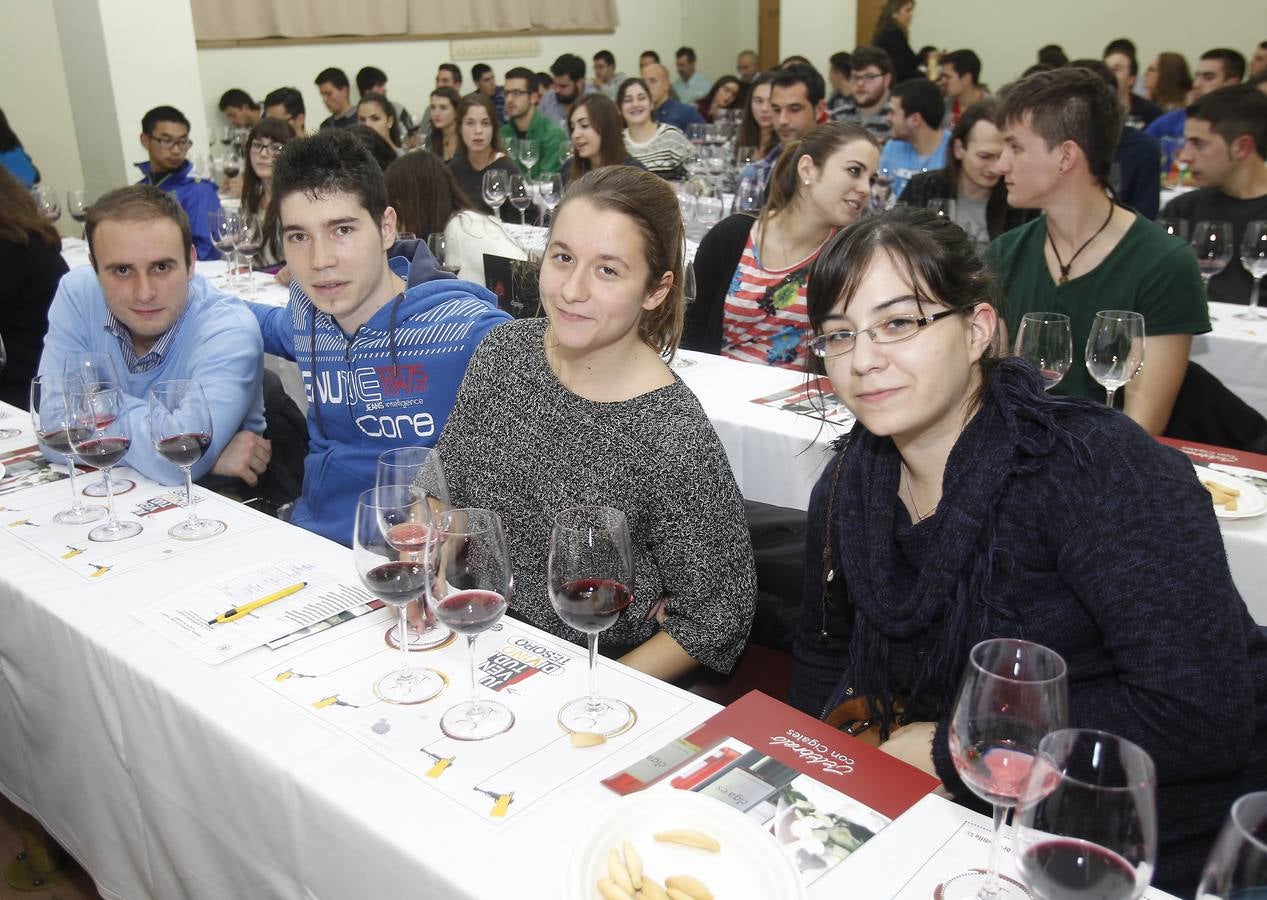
x=1, y=471
x=1250, y=503
x=750, y=865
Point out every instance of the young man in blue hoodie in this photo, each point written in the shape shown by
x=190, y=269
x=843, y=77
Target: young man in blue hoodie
x=382, y=336
x=165, y=137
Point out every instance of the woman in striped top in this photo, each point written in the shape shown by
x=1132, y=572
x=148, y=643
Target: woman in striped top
x=661, y=148
x=751, y=274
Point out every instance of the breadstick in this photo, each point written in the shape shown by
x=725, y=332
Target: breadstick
x=617, y=872
x=675, y=894
x=689, y=885
x=612, y=891
x=651, y=889
x=690, y=837
x=633, y=862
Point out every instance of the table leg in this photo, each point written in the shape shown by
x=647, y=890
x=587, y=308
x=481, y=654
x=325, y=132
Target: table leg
x=41, y=862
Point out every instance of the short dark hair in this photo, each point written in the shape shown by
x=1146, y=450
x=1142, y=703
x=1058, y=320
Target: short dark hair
x=687, y=52
x=1233, y=111
x=1052, y=55
x=526, y=74
x=138, y=203
x=1099, y=68
x=369, y=78
x=288, y=97
x=452, y=70
x=798, y=74
x=424, y=193
x=379, y=147
x=842, y=62
x=651, y=53
x=478, y=70
x=150, y=120
x=919, y=95
x=1068, y=104
x=1124, y=46
x=236, y=97
x=568, y=64
x=794, y=60
x=332, y=161
x=1232, y=61
x=544, y=81
x=871, y=56
x=965, y=62
x=336, y=77
x=605, y=56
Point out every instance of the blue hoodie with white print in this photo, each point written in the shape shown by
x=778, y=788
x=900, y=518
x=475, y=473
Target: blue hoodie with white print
x=391, y=384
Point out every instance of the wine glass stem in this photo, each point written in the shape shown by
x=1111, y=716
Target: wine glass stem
x=475, y=697
x=191, y=518
x=594, y=703
x=1253, y=296
x=404, y=642
x=1108, y=396
x=76, y=504
x=113, y=523
x=990, y=889
x=521, y=216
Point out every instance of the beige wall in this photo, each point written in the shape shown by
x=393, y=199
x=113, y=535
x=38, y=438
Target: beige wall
x=816, y=30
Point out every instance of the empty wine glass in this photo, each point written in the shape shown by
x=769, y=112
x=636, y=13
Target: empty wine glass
x=1046, y=340
x=419, y=468
x=77, y=205
x=5, y=433
x=942, y=207
x=1013, y=693
x=748, y=196
x=100, y=436
x=590, y=577
x=1212, y=242
x=469, y=593
x=686, y=201
x=528, y=154
x=1086, y=822
x=745, y=156
x=180, y=427
x=396, y=578
x=54, y=430
x=708, y=211
x=512, y=149
x=1180, y=228
x=495, y=189
x=1115, y=349
x=438, y=244
x=519, y=195
x=1237, y=867
x=247, y=242
x=46, y=202
x=224, y=233
x=96, y=371
x=1254, y=259
x=551, y=193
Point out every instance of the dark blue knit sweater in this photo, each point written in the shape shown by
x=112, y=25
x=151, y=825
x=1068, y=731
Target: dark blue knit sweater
x=1118, y=566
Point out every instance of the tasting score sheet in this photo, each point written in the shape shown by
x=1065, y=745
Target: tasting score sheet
x=184, y=619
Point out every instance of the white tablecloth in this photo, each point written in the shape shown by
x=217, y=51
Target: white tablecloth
x=1236, y=353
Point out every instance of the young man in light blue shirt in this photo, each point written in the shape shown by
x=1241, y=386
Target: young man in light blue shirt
x=691, y=86
x=918, y=144
x=142, y=306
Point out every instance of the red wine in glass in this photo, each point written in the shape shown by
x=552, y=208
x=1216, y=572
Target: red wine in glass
x=471, y=611
x=103, y=452
x=184, y=449
x=408, y=537
x=56, y=430
x=397, y=583
x=995, y=770
x=62, y=440
x=1079, y=870
x=592, y=605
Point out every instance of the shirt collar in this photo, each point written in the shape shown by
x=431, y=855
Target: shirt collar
x=137, y=364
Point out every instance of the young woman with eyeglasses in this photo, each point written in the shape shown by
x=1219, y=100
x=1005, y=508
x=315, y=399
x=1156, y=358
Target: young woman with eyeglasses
x=263, y=144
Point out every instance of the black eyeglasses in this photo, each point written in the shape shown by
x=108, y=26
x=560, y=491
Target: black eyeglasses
x=266, y=148
x=887, y=331
x=168, y=143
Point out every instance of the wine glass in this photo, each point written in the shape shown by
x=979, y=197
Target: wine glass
x=247, y=241
x=590, y=576
x=882, y=189
x=97, y=371
x=1046, y=340
x=224, y=233
x=512, y=149
x=180, y=427
x=46, y=202
x=942, y=207
x=1086, y=822
x=1180, y=228
x=77, y=205
x=469, y=594
x=528, y=154
x=686, y=201
x=748, y=196
x=745, y=156
x=227, y=135
x=419, y=468
x=1254, y=259
x=708, y=211
x=565, y=152
x=100, y=436
x=53, y=429
x=1212, y=242
x=495, y=188
x=5, y=433
x=1115, y=349
x=232, y=163
x=438, y=244
x=396, y=578
x=519, y=195
x=1012, y=694
x=551, y=193
x=1237, y=866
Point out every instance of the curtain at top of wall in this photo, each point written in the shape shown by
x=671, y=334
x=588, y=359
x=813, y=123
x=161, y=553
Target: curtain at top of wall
x=242, y=20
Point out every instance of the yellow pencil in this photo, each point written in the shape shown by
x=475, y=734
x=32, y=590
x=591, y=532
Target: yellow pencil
x=230, y=615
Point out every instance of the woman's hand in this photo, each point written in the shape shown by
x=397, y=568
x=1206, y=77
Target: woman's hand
x=283, y=276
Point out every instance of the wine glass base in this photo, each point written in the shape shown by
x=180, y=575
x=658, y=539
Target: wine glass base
x=420, y=686
x=81, y=516
x=1256, y=315
x=197, y=530
x=970, y=886
x=6, y=433
x=472, y=721
x=433, y=637
x=98, y=488
x=600, y=715
x=114, y=531
x=680, y=363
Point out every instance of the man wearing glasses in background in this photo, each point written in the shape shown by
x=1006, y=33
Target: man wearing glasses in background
x=871, y=76
x=525, y=121
x=165, y=137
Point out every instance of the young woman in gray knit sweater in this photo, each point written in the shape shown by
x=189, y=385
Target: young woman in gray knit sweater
x=579, y=408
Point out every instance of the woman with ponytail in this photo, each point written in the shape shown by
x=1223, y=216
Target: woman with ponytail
x=751, y=274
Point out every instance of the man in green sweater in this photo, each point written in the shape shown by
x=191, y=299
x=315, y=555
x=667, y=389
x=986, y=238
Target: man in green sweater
x=524, y=121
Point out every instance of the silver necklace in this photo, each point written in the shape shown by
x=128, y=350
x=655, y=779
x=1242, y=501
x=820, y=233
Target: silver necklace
x=910, y=493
